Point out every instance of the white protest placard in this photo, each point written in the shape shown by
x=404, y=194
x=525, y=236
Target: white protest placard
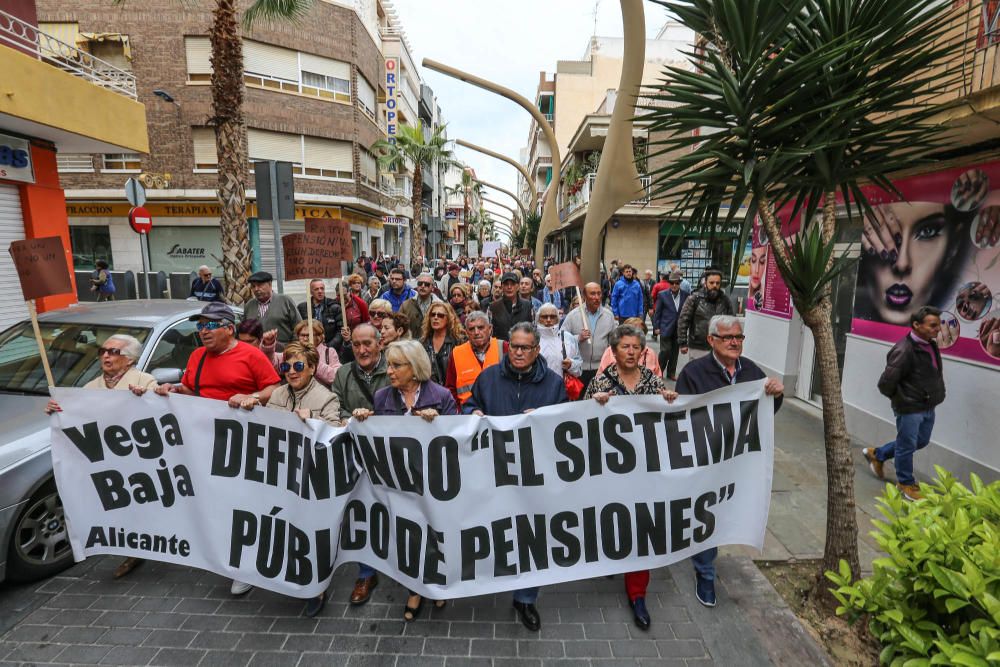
x=456, y=507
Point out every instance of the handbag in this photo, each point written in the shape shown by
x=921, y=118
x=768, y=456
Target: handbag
x=573, y=384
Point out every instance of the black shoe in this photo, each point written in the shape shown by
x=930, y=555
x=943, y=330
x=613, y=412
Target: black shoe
x=411, y=613
x=641, y=615
x=528, y=614
x=704, y=590
x=315, y=605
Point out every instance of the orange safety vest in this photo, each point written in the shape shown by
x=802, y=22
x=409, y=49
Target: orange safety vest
x=468, y=368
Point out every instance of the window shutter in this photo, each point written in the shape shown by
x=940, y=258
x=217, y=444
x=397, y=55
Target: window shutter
x=204, y=146
x=325, y=66
x=369, y=168
x=264, y=145
x=199, y=53
x=329, y=154
x=273, y=61
x=366, y=94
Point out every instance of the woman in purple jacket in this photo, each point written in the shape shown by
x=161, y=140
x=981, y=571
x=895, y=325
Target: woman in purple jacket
x=411, y=392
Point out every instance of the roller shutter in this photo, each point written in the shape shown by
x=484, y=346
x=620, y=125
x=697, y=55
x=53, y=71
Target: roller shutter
x=12, y=308
x=325, y=66
x=199, y=53
x=264, y=145
x=329, y=155
x=273, y=61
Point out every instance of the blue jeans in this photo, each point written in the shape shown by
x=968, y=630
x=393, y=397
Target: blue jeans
x=526, y=595
x=704, y=563
x=913, y=432
x=365, y=571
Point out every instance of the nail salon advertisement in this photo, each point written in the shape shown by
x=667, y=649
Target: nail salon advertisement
x=767, y=292
x=937, y=246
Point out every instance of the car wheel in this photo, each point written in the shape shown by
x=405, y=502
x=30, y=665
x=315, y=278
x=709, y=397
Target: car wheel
x=39, y=545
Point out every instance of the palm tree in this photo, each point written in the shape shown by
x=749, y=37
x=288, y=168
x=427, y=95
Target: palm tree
x=411, y=146
x=230, y=127
x=788, y=105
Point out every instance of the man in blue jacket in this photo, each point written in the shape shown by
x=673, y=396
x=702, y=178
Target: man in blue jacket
x=627, y=299
x=520, y=383
x=665, y=315
x=398, y=291
x=724, y=366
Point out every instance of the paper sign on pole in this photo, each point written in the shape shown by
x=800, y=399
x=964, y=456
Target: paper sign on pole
x=565, y=275
x=41, y=267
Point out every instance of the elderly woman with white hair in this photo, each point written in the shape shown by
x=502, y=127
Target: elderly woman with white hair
x=411, y=392
x=558, y=348
x=118, y=356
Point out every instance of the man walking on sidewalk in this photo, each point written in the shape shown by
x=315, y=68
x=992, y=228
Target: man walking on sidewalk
x=914, y=382
x=669, y=304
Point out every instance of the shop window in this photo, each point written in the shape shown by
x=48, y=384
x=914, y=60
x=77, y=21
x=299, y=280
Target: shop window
x=121, y=162
x=90, y=244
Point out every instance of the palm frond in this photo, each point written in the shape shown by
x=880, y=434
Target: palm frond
x=270, y=12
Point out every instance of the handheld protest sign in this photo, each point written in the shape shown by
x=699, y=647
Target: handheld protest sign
x=42, y=270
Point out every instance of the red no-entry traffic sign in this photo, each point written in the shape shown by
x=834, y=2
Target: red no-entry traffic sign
x=140, y=220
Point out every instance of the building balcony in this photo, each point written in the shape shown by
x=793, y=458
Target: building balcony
x=577, y=202
x=58, y=92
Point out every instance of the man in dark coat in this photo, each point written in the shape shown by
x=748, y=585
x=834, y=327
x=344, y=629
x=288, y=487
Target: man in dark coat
x=723, y=366
x=326, y=312
x=669, y=303
x=510, y=308
x=520, y=383
x=913, y=380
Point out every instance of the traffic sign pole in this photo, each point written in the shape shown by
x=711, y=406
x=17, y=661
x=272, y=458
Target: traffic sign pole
x=141, y=222
x=144, y=248
x=279, y=266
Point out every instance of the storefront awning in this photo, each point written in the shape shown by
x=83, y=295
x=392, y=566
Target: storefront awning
x=722, y=230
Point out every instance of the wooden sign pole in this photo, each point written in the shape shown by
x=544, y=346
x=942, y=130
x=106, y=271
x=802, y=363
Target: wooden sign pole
x=38, y=339
x=342, y=288
x=583, y=309
x=309, y=313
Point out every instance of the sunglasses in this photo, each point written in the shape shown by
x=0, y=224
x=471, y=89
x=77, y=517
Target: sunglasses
x=212, y=326
x=438, y=314
x=424, y=283
x=113, y=351
x=521, y=348
x=299, y=366
x=375, y=314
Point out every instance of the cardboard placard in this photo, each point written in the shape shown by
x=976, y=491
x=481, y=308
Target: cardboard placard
x=312, y=256
x=337, y=229
x=41, y=267
x=565, y=275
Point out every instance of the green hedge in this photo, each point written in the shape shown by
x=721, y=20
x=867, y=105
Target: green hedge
x=935, y=599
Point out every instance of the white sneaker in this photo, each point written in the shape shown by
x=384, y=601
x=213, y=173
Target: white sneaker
x=239, y=588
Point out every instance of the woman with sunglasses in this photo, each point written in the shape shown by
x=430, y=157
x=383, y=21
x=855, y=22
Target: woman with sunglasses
x=440, y=333
x=328, y=359
x=461, y=300
x=118, y=357
x=411, y=392
x=307, y=398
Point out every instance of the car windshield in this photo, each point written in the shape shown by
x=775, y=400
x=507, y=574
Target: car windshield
x=72, y=351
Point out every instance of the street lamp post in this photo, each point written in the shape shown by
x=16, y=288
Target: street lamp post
x=617, y=181
x=550, y=216
x=514, y=163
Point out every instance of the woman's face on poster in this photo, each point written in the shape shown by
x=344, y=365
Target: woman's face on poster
x=906, y=244
x=758, y=260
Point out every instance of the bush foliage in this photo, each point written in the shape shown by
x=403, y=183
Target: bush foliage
x=935, y=598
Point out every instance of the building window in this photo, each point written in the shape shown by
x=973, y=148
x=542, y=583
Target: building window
x=121, y=162
x=369, y=169
x=313, y=157
x=989, y=27
x=321, y=85
x=90, y=244
x=205, y=156
x=75, y=163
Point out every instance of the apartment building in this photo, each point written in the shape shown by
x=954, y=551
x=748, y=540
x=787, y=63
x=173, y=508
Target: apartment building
x=57, y=99
x=314, y=93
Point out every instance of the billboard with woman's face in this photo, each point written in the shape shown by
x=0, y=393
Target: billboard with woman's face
x=940, y=247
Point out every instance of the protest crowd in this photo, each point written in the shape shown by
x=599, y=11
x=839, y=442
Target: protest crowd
x=489, y=336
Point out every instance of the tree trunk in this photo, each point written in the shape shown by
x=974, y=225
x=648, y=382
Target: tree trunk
x=230, y=143
x=841, y=520
x=417, y=233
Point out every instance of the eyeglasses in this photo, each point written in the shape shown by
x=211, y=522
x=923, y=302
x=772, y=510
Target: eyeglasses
x=739, y=338
x=396, y=365
x=377, y=314
x=438, y=314
x=521, y=348
x=113, y=351
x=424, y=283
x=212, y=326
x=299, y=366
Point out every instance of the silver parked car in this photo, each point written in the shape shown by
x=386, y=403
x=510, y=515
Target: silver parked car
x=33, y=539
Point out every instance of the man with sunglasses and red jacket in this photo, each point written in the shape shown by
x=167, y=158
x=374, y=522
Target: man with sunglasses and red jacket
x=225, y=369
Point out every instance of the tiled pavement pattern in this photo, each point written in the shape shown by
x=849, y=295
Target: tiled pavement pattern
x=168, y=615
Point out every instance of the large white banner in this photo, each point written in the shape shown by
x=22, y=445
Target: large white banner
x=456, y=507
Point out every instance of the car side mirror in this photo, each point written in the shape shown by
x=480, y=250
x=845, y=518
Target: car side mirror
x=167, y=375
